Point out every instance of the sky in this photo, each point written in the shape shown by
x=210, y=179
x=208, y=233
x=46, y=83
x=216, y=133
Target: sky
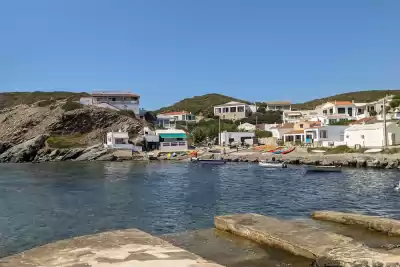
x=167, y=50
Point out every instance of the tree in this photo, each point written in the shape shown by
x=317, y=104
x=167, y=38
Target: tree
x=198, y=135
x=262, y=134
x=372, y=113
x=261, y=110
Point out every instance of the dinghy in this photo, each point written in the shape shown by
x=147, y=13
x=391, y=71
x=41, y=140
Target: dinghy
x=324, y=169
x=273, y=164
x=373, y=150
x=212, y=161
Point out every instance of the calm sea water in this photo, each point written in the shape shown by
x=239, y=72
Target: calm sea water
x=41, y=203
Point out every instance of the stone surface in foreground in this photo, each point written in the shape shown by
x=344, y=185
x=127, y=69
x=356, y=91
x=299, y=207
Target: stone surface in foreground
x=328, y=249
x=385, y=225
x=125, y=248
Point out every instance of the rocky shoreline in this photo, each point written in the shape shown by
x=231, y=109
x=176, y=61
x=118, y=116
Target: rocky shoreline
x=35, y=150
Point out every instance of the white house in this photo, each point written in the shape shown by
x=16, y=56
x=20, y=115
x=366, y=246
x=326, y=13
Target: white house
x=172, y=140
x=247, y=127
x=372, y=135
x=279, y=130
x=168, y=120
x=278, y=105
x=327, y=135
x=113, y=100
x=232, y=110
x=237, y=137
x=118, y=140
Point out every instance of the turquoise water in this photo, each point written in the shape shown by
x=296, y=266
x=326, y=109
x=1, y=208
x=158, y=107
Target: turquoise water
x=45, y=202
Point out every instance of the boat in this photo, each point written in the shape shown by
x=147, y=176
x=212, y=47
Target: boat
x=273, y=164
x=284, y=150
x=373, y=150
x=287, y=151
x=324, y=169
x=275, y=149
x=212, y=161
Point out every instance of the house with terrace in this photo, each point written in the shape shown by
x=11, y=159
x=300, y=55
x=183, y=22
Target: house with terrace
x=232, y=111
x=278, y=105
x=172, y=140
x=113, y=100
x=168, y=120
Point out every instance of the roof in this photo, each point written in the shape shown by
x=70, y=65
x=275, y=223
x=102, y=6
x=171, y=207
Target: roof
x=170, y=131
x=112, y=93
x=295, y=132
x=365, y=120
x=372, y=126
x=278, y=103
x=173, y=135
x=231, y=104
x=246, y=124
x=341, y=103
x=286, y=125
x=175, y=113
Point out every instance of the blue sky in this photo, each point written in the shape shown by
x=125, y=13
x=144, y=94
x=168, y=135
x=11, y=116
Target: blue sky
x=167, y=50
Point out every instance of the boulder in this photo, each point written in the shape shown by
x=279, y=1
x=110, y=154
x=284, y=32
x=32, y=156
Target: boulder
x=72, y=153
x=107, y=157
x=92, y=154
x=361, y=163
x=25, y=151
x=4, y=146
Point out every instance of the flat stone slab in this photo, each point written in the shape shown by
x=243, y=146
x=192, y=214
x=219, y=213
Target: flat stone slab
x=380, y=224
x=126, y=248
x=326, y=248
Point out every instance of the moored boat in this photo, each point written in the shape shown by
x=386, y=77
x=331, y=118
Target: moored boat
x=212, y=161
x=273, y=164
x=324, y=169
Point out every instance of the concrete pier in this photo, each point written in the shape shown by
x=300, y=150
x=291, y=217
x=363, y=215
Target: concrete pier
x=385, y=225
x=110, y=249
x=326, y=248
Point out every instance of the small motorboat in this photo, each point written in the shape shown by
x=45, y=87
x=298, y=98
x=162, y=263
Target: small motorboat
x=212, y=161
x=324, y=169
x=273, y=164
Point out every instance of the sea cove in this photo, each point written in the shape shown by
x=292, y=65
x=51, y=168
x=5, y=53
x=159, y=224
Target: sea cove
x=46, y=202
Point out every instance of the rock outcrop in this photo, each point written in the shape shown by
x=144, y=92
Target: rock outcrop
x=25, y=151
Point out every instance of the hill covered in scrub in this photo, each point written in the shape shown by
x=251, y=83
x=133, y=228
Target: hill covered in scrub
x=360, y=97
x=17, y=98
x=200, y=104
x=63, y=120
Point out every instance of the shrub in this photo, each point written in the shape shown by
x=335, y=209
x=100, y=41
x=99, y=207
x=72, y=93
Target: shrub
x=70, y=105
x=45, y=103
x=263, y=134
x=128, y=113
x=66, y=141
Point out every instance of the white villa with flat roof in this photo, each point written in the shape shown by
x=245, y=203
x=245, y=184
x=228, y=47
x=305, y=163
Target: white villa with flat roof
x=278, y=105
x=113, y=100
x=232, y=110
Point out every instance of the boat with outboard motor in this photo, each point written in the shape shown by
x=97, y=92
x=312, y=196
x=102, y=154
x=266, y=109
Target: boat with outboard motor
x=273, y=164
x=324, y=168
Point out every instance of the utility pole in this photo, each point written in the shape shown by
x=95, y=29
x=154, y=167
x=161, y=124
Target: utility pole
x=384, y=123
x=219, y=130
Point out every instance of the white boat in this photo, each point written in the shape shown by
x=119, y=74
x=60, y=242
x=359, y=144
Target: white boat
x=324, y=169
x=273, y=164
x=318, y=151
x=373, y=150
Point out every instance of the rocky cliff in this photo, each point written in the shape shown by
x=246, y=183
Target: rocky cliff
x=24, y=130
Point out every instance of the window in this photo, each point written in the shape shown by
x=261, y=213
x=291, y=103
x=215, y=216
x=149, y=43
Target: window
x=113, y=99
x=341, y=110
x=325, y=112
x=323, y=134
x=331, y=111
x=225, y=110
x=332, y=121
x=359, y=111
x=241, y=109
x=233, y=109
x=217, y=110
x=301, y=125
x=350, y=111
x=362, y=136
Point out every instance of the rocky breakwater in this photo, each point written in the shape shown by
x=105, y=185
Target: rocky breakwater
x=33, y=133
x=354, y=160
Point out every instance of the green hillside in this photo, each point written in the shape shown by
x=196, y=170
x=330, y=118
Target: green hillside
x=200, y=104
x=17, y=98
x=360, y=97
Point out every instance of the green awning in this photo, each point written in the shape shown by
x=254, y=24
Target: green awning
x=172, y=135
